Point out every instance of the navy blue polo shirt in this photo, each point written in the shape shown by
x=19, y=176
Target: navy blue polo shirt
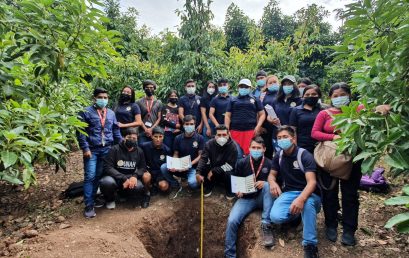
x=155, y=157
x=205, y=103
x=289, y=171
x=220, y=103
x=283, y=109
x=303, y=119
x=188, y=145
x=126, y=113
x=244, y=111
x=191, y=106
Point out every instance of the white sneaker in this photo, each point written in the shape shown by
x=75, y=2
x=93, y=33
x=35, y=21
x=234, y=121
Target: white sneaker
x=110, y=205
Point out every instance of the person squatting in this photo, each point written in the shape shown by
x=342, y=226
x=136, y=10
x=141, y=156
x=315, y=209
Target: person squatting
x=125, y=151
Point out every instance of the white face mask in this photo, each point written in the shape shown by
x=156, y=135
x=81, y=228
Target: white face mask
x=191, y=90
x=221, y=140
x=211, y=90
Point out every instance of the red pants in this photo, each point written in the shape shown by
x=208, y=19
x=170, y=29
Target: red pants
x=243, y=138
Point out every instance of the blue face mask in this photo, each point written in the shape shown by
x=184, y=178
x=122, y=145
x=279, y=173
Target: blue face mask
x=223, y=89
x=101, y=103
x=340, y=101
x=189, y=128
x=261, y=83
x=284, y=144
x=288, y=89
x=256, y=154
x=301, y=91
x=273, y=88
x=244, y=91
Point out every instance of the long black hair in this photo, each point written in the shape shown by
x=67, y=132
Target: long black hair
x=294, y=94
x=120, y=102
x=207, y=95
x=340, y=85
x=170, y=93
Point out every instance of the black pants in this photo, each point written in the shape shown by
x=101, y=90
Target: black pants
x=350, y=200
x=268, y=142
x=109, y=187
x=222, y=178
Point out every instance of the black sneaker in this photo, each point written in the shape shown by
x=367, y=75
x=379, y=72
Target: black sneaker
x=348, y=238
x=207, y=191
x=89, y=212
x=331, y=234
x=145, y=200
x=267, y=235
x=230, y=196
x=311, y=251
x=99, y=202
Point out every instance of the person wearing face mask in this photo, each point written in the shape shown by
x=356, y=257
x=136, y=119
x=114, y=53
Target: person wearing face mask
x=299, y=194
x=189, y=104
x=102, y=132
x=288, y=97
x=302, y=83
x=170, y=119
x=125, y=171
x=261, y=79
x=127, y=112
x=151, y=109
x=217, y=162
x=190, y=143
x=208, y=95
x=244, y=116
x=269, y=130
x=258, y=165
x=303, y=117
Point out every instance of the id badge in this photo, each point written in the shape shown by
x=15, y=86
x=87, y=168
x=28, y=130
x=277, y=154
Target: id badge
x=148, y=124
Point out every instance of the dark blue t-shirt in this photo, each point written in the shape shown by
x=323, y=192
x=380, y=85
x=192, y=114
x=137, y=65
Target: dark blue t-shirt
x=126, y=113
x=188, y=145
x=191, y=106
x=303, y=119
x=244, y=111
x=155, y=157
x=205, y=103
x=293, y=178
x=283, y=109
x=220, y=103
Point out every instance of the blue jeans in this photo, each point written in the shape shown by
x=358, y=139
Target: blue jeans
x=190, y=174
x=280, y=213
x=240, y=210
x=92, y=173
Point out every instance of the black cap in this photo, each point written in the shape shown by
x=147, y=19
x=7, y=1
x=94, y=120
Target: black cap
x=261, y=73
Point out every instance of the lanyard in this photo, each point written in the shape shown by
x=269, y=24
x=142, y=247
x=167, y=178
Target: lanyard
x=149, y=107
x=259, y=168
x=102, y=117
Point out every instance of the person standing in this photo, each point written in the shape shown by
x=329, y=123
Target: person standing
x=151, y=109
x=245, y=116
x=102, y=132
x=302, y=83
x=170, y=119
x=208, y=126
x=189, y=104
x=127, y=112
x=260, y=90
x=288, y=97
x=218, y=105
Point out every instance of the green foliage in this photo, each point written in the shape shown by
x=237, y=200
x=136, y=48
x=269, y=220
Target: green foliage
x=401, y=221
x=274, y=24
x=237, y=28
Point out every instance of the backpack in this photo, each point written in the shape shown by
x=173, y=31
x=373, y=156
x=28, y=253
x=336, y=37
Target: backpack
x=375, y=182
x=74, y=190
x=299, y=155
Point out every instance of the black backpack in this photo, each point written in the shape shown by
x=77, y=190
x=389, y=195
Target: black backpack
x=74, y=190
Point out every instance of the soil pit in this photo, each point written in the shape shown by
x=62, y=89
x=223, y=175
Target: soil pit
x=178, y=235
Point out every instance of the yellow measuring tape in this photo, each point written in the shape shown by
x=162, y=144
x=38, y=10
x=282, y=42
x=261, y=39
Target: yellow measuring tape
x=201, y=221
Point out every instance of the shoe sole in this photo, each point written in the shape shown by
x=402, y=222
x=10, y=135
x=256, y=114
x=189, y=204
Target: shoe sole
x=176, y=194
x=207, y=195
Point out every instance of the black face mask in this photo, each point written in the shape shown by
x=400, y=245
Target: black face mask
x=311, y=101
x=149, y=93
x=124, y=98
x=131, y=144
x=173, y=100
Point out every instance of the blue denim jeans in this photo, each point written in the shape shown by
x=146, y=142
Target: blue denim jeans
x=280, y=213
x=239, y=212
x=92, y=173
x=190, y=175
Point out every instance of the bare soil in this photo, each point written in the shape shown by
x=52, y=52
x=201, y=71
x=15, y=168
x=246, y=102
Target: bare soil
x=36, y=223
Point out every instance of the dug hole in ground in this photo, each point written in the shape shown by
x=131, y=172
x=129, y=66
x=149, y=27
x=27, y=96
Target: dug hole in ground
x=36, y=223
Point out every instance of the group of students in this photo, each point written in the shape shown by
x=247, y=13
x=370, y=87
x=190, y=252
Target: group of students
x=125, y=151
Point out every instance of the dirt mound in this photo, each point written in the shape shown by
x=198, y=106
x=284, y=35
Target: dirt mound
x=179, y=234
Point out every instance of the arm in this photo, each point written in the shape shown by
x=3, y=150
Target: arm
x=136, y=123
x=141, y=167
x=204, y=117
x=109, y=166
x=116, y=131
x=202, y=163
x=293, y=118
x=181, y=111
x=157, y=120
x=231, y=160
x=317, y=131
x=298, y=204
x=275, y=189
x=261, y=116
x=211, y=116
x=196, y=160
x=227, y=119
x=82, y=138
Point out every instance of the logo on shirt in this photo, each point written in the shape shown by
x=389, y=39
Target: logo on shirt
x=295, y=164
x=195, y=144
x=128, y=108
x=120, y=163
x=293, y=104
x=126, y=164
x=252, y=101
x=198, y=101
x=162, y=157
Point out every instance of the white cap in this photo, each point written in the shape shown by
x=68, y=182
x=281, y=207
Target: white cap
x=245, y=82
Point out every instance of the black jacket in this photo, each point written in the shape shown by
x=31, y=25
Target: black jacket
x=218, y=159
x=122, y=164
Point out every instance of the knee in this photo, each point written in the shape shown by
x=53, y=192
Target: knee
x=163, y=169
x=146, y=178
x=192, y=182
x=277, y=217
x=163, y=186
x=233, y=221
x=107, y=182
